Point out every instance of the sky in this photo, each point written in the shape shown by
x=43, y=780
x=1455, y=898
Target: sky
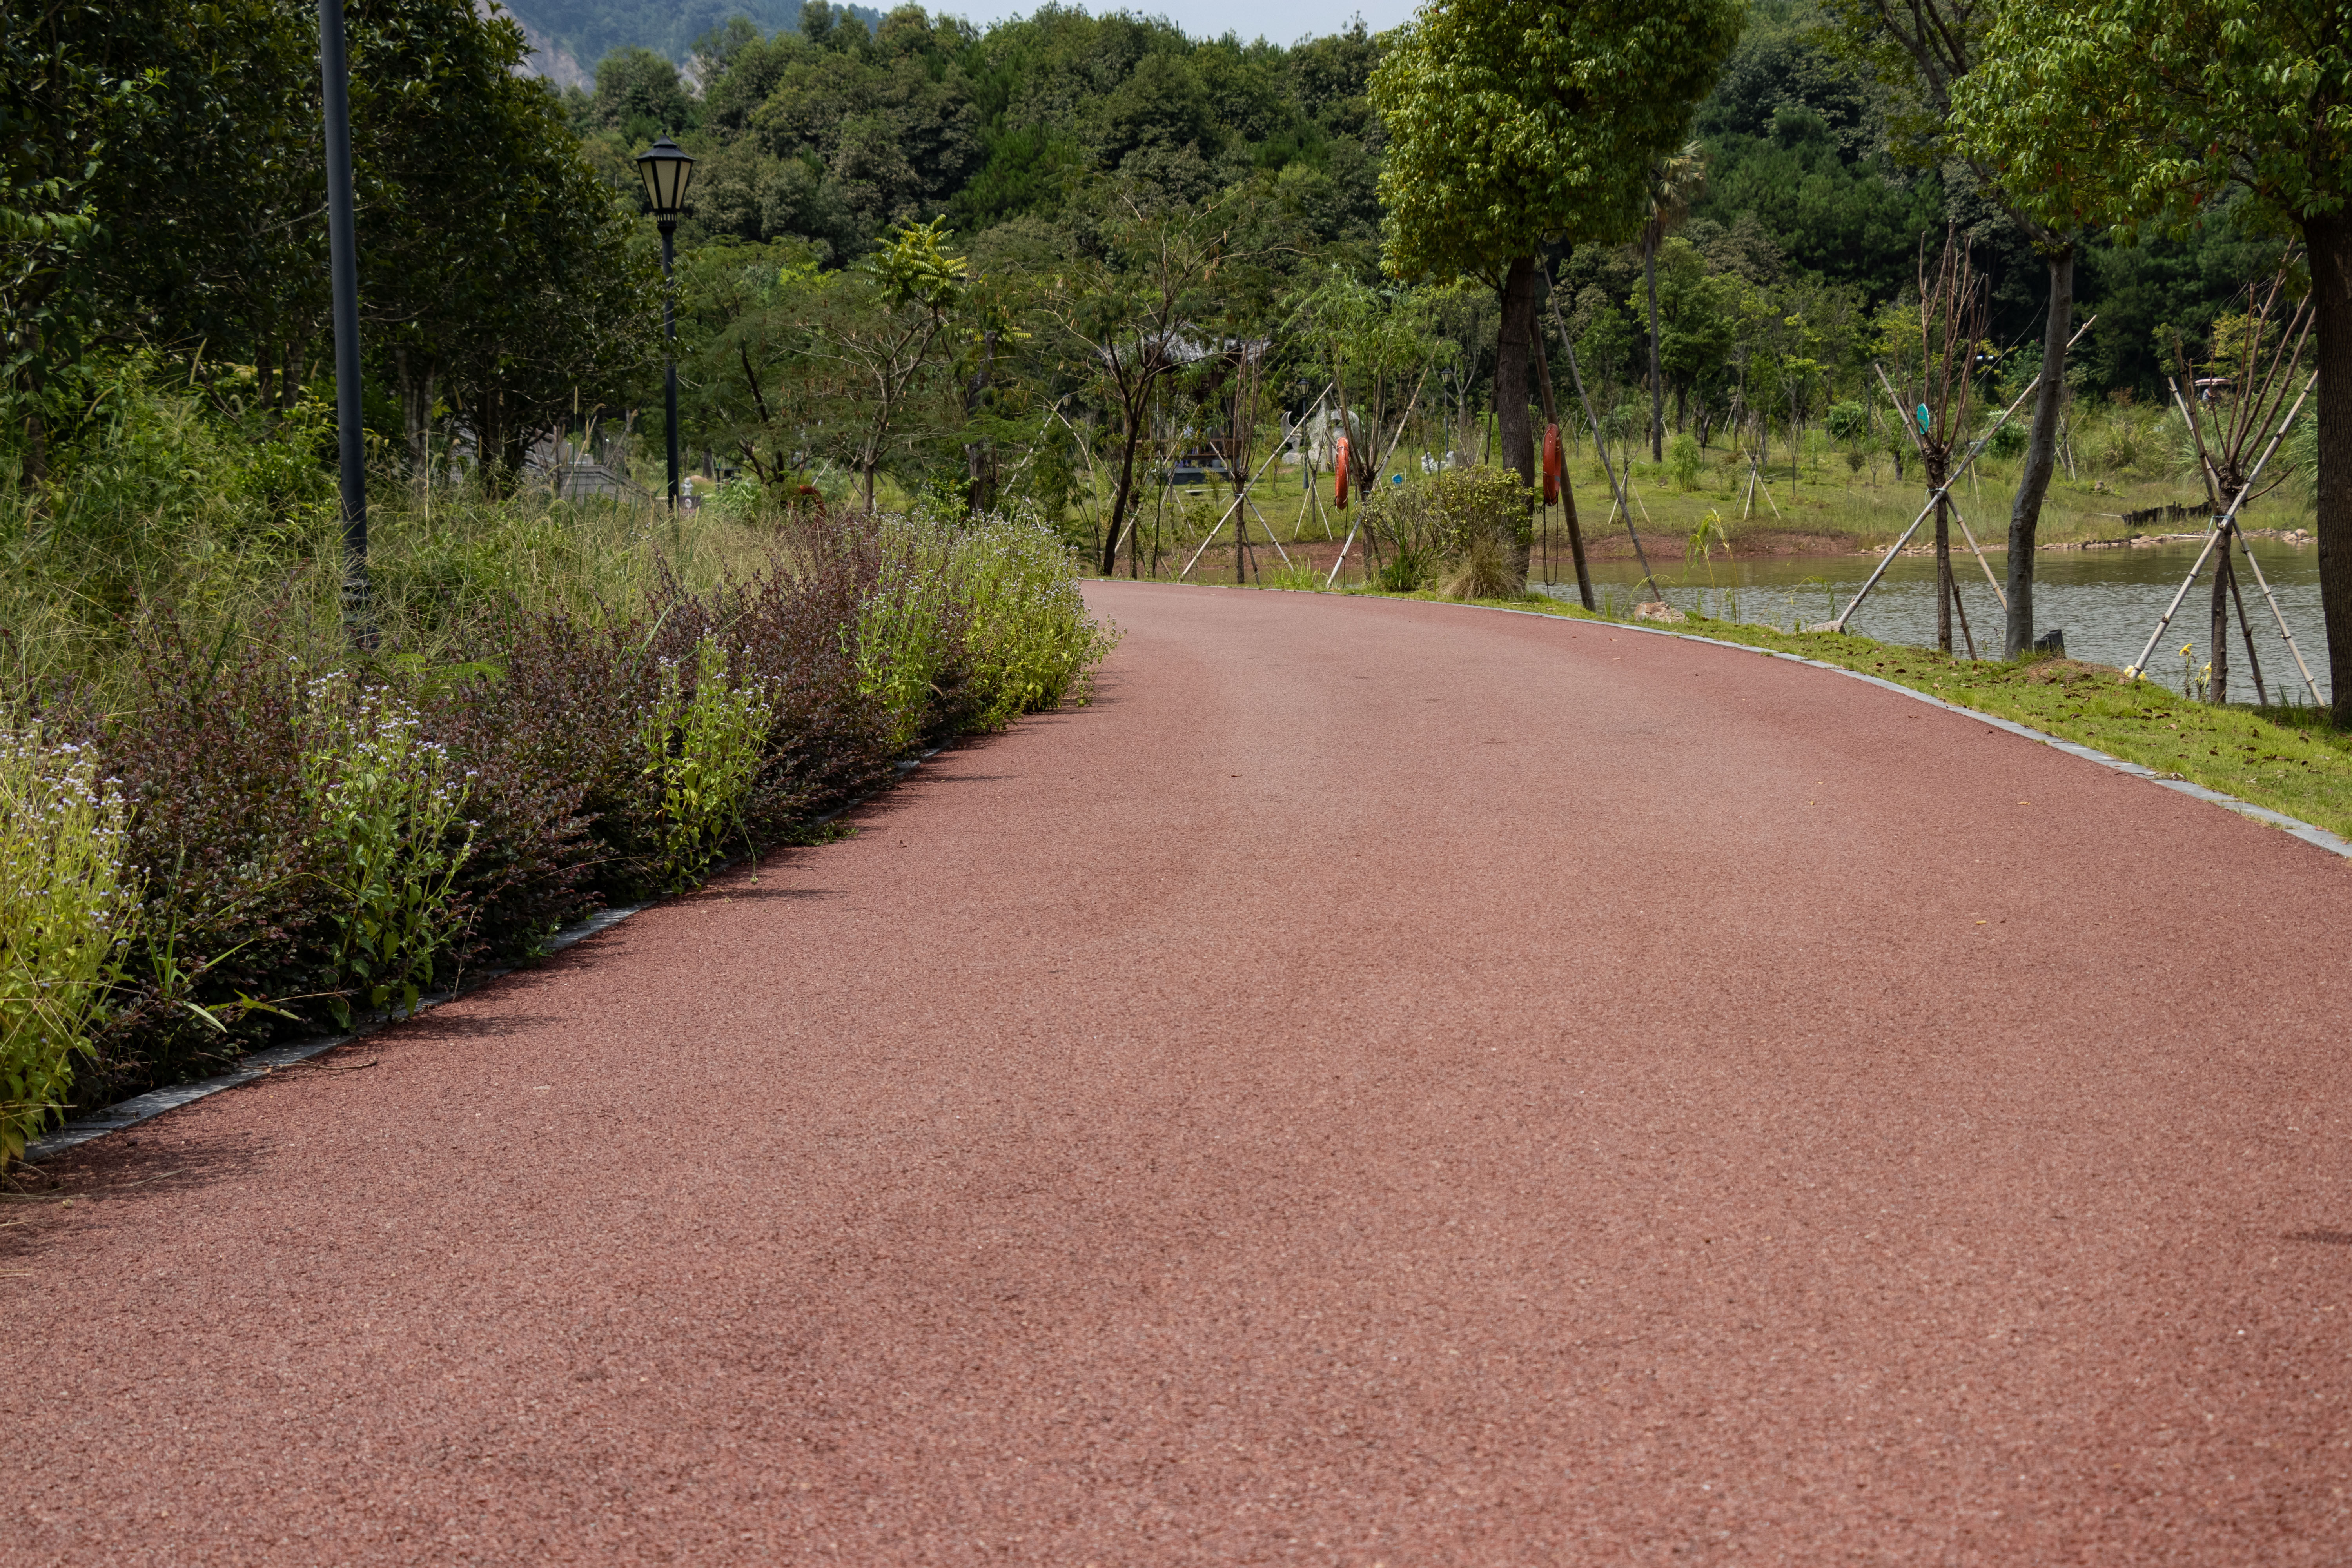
x=1279, y=23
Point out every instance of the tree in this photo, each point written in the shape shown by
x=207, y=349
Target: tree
x=1514, y=123
x=529, y=298
x=1937, y=50
x=1377, y=348
x=882, y=344
x=638, y=94
x=1675, y=185
x=55, y=112
x=2142, y=113
x=1124, y=316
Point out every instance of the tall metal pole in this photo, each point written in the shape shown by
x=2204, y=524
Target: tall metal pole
x=343, y=267
x=670, y=333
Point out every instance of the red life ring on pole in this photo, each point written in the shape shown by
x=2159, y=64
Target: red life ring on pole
x=1339, y=475
x=1555, y=465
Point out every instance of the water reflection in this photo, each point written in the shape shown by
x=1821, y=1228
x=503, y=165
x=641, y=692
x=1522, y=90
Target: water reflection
x=2107, y=601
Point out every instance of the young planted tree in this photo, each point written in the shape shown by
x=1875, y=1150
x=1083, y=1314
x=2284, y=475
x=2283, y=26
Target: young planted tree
x=1123, y=317
x=1934, y=368
x=1674, y=183
x=1515, y=123
x=2142, y=112
x=1935, y=53
x=883, y=342
x=1377, y=348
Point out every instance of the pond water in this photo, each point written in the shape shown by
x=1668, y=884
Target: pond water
x=2106, y=601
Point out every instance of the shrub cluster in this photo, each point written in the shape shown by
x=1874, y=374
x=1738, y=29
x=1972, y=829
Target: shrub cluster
x=230, y=845
x=1437, y=525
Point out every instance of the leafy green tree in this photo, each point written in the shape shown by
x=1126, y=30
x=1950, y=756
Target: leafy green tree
x=1824, y=209
x=1514, y=123
x=638, y=94
x=1122, y=318
x=1377, y=348
x=1934, y=50
x=2147, y=114
x=883, y=346
x=527, y=300
x=57, y=112
x=1674, y=183
x=1698, y=312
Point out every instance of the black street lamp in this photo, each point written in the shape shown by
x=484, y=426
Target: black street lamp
x=667, y=171
x=342, y=270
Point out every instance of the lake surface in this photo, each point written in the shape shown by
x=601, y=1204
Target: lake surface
x=2106, y=601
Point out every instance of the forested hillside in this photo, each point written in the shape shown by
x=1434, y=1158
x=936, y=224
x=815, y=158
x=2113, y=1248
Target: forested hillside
x=828, y=131
x=591, y=29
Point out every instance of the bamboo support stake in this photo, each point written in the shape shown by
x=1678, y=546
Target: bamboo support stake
x=1239, y=496
x=1617, y=490
x=1344, y=548
x=1962, y=610
x=2246, y=629
x=1897, y=548
x=1971, y=538
x=2213, y=493
x=1270, y=537
x=2137, y=668
x=2279, y=615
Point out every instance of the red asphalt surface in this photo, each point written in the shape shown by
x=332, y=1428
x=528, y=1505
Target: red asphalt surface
x=1389, y=1083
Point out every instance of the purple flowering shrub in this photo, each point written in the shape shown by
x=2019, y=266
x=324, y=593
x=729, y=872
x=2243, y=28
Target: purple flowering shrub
x=308, y=841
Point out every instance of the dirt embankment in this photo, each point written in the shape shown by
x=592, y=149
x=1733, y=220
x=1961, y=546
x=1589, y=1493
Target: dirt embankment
x=1747, y=542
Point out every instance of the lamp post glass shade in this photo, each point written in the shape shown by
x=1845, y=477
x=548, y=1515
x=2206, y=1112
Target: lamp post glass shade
x=667, y=169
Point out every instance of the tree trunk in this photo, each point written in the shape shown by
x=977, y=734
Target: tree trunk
x=2041, y=455
x=490, y=441
x=1657, y=402
x=1944, y=575
x=416, y=374
x=1513, y=437
x=1567, y=487
x=979, y=458
x=291, y=373
x=2329, y=241
x=1126, y=489
x=2218, y=690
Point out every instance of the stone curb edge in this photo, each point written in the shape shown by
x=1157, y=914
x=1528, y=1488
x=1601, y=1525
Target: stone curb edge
x=262, y=1063
x=2294, y=828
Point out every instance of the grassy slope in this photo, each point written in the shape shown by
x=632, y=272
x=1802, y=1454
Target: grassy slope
x=2281, y=761
x=1833, y=510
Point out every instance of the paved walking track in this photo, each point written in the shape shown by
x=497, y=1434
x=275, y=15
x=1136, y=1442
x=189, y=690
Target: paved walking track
x=1391, y=1083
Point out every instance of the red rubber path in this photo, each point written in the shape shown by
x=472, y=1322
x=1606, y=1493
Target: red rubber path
x=1390, y=1084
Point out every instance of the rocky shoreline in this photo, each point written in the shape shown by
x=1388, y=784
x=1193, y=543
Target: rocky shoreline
x=2294, y=536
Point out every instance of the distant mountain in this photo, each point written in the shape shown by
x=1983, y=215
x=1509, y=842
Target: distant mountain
x=571, y=36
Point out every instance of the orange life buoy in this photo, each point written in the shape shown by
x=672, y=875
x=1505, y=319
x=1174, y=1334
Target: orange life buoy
x=1555, y=465
x=1339, y=475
